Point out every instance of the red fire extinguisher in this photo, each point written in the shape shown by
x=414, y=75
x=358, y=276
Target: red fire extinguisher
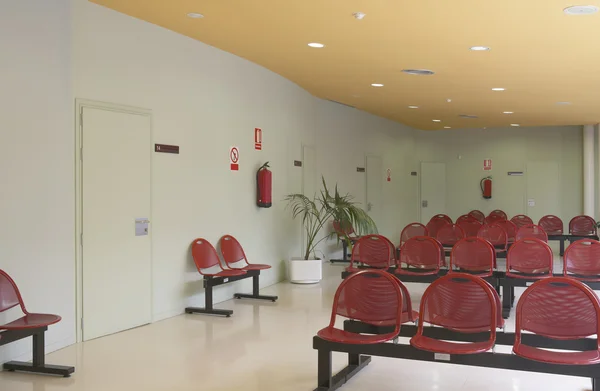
x=486, y=187
x=263, y=186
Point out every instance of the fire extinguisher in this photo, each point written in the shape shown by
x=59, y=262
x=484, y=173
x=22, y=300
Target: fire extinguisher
x=486, y=187
x=263, y=186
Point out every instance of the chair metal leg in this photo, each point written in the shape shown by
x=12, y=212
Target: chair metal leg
x=255, y=292
x=506, y=299
x=208, y=303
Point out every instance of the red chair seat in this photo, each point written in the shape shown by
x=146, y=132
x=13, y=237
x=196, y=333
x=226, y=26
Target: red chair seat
x=429, y=272
x=451, y=324
x=405, y=319
x=31, y=321
x=437, y=346
x=227, y=273
x=588, y=357
x=255, y=266
x=341, y=336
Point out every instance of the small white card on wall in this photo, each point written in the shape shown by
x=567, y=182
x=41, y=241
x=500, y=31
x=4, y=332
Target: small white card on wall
x=531, y=202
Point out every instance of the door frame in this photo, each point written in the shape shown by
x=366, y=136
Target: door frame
x=80, y=105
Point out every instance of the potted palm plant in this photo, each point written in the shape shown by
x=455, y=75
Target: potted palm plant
x=316, y=213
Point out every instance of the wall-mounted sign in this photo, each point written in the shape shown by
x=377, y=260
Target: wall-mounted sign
x=413, y=173
x=297, y=163
x=487, y=165
x=258, y=139
x=360, y=169
x=515, y=173
x=164, y=148
x=234, y=158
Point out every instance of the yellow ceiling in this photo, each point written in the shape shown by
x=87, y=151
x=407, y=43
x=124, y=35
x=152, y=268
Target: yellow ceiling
x=539, y=54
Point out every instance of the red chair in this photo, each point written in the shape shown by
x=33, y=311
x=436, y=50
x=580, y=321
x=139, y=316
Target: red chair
x=232, y=253
x=444, y=217
x=434, y=226
x=460, y=302
x=449, y=234
x=345, y=232
x=553, y=225
x=205, y=257
x=510, y=228
x=464, y=218
x=582, y=226
x=408, y=314
x=29, y=325
x=471, y=227
x=373, y=251
x=562, y=309
x=496, y=235
x=473, y=255
x=422, y=253
x=412, y=230
x=532, y=232
x=582, y=260
x=529, y=259
x=478, y=215
x=521, y=220
x=369, y=296
x=493, y=219
x=499, y=213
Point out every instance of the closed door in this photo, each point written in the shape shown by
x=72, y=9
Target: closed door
x=433, y=190
x=374, y=171
x=116, y=247
x=543, y=189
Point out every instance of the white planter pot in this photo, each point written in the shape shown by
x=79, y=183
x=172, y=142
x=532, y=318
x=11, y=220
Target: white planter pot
x=302, y=271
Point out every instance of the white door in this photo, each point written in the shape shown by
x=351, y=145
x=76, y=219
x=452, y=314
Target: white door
x=374, y=170
x=543, y=190
x=116, y=263
x=433, y=190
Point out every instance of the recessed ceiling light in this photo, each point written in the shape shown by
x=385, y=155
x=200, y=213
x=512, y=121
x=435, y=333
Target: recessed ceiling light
x=515, y=125
x=316, y=45
x=421, y=72
x=507, y=112
x=498, y=89
x=447, y=127
x=413, y=107
x=581, y=10
x=359, y=15
x=437, y=120
x=563, y=103
x=479, y=48
x=376, y=85
x=195, y=15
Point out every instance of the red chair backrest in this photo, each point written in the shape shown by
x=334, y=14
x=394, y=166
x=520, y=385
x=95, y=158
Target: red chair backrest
x=412, y=230
x=449, y=234
x=583, y=258
x=521, y=220
x=471, y=227
x=583, y=226
x=421, y=252
x=492, y=219
x=499, y=213
x=434, y=226
x=465, y=218
x=531, y=256
x=553, y=225
x=460, y=302
x=494, y=234
x=478, y=215
x=343, y=229
x=510, y=228
x=374, y=251
x=532, y=231
x=559, y=308
x=9, y=293
x=473, y=255
x=442, y=217
x=369, y=296
x=204, y=254
x=231, y=250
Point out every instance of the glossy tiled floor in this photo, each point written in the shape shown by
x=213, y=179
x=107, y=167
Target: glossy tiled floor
x=265, y=347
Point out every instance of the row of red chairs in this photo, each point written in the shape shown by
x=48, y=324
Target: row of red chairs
x=553, y=225
x=557, y=308
x=529, y=257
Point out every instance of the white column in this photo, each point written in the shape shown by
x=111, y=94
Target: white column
x=588, y=171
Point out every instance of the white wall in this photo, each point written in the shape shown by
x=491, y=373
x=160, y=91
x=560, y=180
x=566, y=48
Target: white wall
x=510, y=149
x=37, y=191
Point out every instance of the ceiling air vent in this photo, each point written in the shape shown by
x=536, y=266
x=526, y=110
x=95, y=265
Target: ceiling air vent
x=421, y=72
x=469, y=116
